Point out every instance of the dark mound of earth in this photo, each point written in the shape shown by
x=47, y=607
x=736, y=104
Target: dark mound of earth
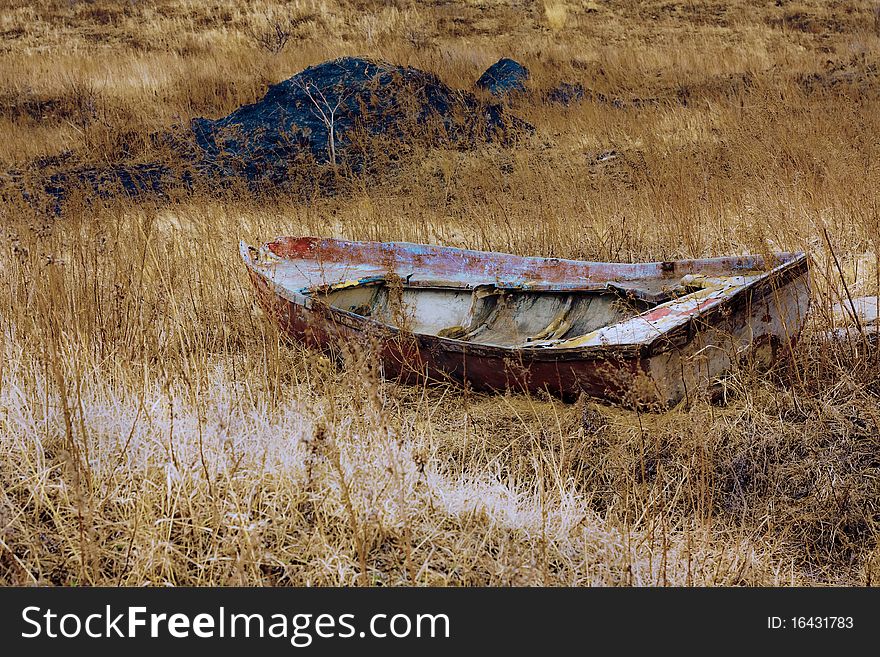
x=349, y=113
x=327, y=110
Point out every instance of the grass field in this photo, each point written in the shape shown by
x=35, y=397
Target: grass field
x=157, y=430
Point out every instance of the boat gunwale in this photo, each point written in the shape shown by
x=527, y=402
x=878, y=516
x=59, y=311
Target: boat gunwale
x=743, y=262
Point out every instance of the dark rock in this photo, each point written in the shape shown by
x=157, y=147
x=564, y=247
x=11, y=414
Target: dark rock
x=503, y=77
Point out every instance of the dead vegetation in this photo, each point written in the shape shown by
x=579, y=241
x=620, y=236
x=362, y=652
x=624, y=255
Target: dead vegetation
x=156, y=430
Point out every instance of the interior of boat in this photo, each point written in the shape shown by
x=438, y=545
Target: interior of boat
x=489, y=314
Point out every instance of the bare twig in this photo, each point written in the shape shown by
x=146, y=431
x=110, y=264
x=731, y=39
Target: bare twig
x=324, y=110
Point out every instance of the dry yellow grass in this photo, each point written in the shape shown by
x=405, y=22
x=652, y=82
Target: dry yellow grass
x=155, y=429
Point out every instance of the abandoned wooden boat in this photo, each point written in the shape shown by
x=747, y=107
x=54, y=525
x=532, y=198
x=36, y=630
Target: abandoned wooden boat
x=645, y=333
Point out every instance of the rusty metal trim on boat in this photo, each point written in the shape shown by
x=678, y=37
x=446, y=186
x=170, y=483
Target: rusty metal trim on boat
x=640, y=333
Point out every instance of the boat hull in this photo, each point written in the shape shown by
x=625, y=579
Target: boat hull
x=760, y=324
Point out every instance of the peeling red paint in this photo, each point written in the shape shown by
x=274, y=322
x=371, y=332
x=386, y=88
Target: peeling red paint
x=660, y=313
